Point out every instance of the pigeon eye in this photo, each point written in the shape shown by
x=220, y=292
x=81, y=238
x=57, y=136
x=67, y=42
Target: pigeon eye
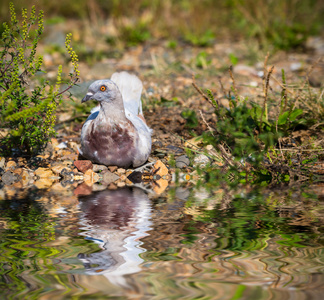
x=102, y=88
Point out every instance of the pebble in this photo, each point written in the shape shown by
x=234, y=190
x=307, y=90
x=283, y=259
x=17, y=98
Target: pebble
x=83, y=165
x=2, y=162
x=121, y=171
x=11, y=165
x=44, y=173
x=18, y=171
x=25, y=177
x=174, y=149
x=160, y=168
x=112, y=168
x=182, y=161
x=201, y=160
x=43, y=183
x=182, y=193
x=98, y=168
x=57, y=169
x=8, y=178
x=62, y=145
x=90, y=177
x=109, y=177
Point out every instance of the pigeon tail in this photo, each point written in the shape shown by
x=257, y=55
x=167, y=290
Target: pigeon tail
x=130, y=86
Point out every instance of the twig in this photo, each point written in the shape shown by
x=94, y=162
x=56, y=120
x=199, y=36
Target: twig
x=204, y=120
x=222, y=87
x=302, y=150
x=200, y=91
x=60, y=93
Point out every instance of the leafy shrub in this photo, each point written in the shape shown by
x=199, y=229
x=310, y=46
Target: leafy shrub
x=28, y=114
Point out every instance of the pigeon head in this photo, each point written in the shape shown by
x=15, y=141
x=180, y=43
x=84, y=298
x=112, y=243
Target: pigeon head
x=102, y=90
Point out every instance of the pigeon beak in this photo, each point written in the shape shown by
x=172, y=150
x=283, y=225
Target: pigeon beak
x=87, y=97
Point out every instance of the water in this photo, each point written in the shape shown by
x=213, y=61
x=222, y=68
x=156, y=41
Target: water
x=188, y=243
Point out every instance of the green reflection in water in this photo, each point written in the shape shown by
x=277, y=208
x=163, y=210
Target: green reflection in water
x=213, y=244
x=29, y=264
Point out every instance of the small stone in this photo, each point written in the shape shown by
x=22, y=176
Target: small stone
x=2, y=162
x=121, y=171
x=182, y=161
x=174, y=149
x=135, y=177
x=43, y=157
x=91, y=177
x=201, y=160
x=83, y=165
x=112, y=168
x=43, y=183
x=160, y=186
x=74, y=146
x=99, y=168
x=98, y=187
x=44, y=173
x=18, y=171
x=182, y=193
x=109, y=177
x=160, y=168
x=121, y=184
x=62, y=145
x=54, y=142
x=11, y=165
x=9, y=178
x=58, y=169
x=72, y=156
x=25, y=177
x=194, y=143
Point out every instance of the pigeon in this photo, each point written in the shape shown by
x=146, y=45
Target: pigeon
x=116, y=133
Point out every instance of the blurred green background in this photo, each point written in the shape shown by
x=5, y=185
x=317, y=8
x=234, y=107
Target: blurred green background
x=273, y=23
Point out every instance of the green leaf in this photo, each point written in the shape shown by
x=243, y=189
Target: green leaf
x=283, y=118
x=295, y=113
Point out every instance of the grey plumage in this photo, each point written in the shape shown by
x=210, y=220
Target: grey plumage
x=116, y=132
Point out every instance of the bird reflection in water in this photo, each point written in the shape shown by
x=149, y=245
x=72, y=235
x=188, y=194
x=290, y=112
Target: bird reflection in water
x=116, y=220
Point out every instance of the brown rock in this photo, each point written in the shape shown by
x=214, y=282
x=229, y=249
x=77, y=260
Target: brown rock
x=121, y=171
x=58, y=169
x=44, y=173
x=72, y=156
x=112, y=168
x=121, y=184
x=91, y=177
x=109, y=177
x=83, y=189
x=83, y=165
x=160, y=168
x=43, y=183
x=98, y=168
x=25, y=178
x=18, y=171
x=11, y=165
x=2, y=162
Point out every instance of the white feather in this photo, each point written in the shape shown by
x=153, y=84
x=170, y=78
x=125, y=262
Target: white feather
x=130, y=86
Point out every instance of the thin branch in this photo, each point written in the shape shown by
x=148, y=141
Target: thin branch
x=204, y=120
x=200, y=91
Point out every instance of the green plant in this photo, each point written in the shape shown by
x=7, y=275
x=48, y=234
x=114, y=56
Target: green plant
x=202, y=61
x=278, y=24
x=28, y=114
x=203, y=40
x=245, y=128
x=135, y=34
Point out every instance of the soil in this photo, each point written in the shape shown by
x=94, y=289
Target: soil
x=167, y=76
